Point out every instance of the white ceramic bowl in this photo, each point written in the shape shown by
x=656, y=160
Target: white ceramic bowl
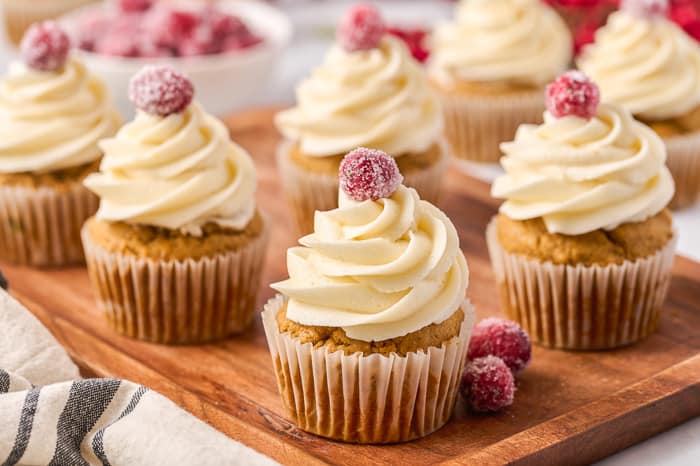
x=223, y=82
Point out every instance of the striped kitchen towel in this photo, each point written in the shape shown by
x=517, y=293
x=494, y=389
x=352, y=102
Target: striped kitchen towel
x=49, y=416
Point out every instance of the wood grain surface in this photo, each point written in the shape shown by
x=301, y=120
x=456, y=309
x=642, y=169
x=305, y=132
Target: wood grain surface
x=570, y=407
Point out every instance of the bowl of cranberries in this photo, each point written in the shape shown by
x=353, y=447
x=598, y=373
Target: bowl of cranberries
x=227, y=48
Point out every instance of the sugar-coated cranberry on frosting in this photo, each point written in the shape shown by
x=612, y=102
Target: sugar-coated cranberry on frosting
x=361, y=28
x=369, y=174
x=645, y=8
x=572, y=94
x=160, y=90
x=45, y=46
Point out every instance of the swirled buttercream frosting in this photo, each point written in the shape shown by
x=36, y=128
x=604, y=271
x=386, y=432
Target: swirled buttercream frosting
x=581, y=175
x=179, y=172
x=377, y=98
x=649, y=65
x=378, y=269
x=52, y=120
x=511, y=41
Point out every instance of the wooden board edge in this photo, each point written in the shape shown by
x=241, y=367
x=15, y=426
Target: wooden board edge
x=630, y=416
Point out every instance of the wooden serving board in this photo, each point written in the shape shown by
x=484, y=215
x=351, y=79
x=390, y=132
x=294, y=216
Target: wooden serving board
x=570, y=407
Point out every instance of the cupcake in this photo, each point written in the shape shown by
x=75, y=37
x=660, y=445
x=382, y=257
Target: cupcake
x=370, y=91
x=369, y=334
x=176, y=249
x=644, y=61
x=583, y=245
x=490, y=67
x=53, y=114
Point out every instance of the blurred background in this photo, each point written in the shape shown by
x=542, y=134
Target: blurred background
x=311, y=29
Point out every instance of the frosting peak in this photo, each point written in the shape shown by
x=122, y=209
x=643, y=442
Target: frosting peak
x=650, y=66
x=516, y=41
x=178, y=172
x=378, y=269
x=52, y=120
x=582, y=175
x=376, y=98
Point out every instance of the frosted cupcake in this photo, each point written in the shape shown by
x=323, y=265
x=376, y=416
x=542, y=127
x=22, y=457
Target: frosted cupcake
x=369, y=335
x=52, y=114
x=490, y=67
x=583, y=245
x=369, y=92
x=176, y=250
x=644, y=61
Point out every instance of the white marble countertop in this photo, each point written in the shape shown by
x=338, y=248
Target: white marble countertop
x=677, y=447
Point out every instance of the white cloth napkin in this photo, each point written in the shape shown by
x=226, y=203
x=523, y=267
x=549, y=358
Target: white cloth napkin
x=49, y=416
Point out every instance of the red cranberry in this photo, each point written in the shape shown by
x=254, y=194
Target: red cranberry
x=168, y=28
x=488, y=384
x=45, y=46
x=572, y=93
x=160, y=90
x=502, y=338
x=361, y=28
x=369, y=174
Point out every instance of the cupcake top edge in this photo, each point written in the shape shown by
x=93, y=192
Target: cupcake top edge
x=589, y=166
x=54, y=110
x=367, y=91
x=174, y=166
x=646, y=62
x=515, y=42
x=382, y=265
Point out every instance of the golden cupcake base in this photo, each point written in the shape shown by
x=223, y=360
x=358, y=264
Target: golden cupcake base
x=366, y=399
x=582, y=307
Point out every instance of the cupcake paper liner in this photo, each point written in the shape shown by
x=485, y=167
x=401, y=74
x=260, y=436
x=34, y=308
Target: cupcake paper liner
x=684, y=163
x=582, y=307
x=41, y=227
x=366, y=399
x=308, y=192
x=178, y=302
x=475, y=125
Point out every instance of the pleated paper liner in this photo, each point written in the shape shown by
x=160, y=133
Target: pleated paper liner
x=308, y=192
x=366, y=399
x=582, y=307
x=41, y=226
x=475, y=125
x=684, y=163
x=178, y=302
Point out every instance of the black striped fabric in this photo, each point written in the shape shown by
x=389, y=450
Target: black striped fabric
x=98, y=440
x=24, y=431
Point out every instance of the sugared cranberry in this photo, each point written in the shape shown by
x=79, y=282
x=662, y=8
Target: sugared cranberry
x=502, y=338
x=45, y=46
x=572, y=93
x=361, y=28
x=369, y=174
x=118, y=45
x=167, y=27
x=92, y=26
x=131, y=6
x=160, y=90
x=488, y=384
x=645, y=8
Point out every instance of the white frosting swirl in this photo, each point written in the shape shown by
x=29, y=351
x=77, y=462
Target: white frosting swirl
x=178, y=172
x=52, y=120
x=583, y=175
x=651, y=66
x=514, y=41
x=376, y=98
x=377, y=269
